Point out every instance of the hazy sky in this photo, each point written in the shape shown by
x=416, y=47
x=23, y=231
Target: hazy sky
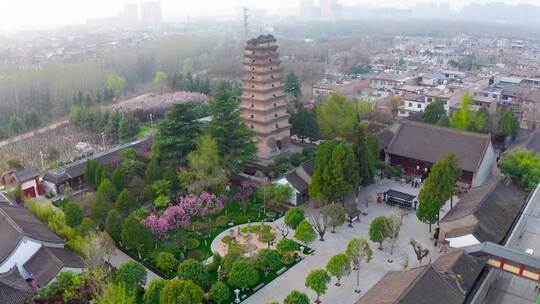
x=31, y=13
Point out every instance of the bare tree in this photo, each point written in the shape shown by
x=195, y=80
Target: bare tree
x=393, y=226
x=319, y=223
x=283, y=229
x=420, y=251
x=97, y=249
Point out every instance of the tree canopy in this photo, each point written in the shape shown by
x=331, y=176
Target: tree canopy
x=508, y=124
x=177, y=134
x=305, y=232
x=205, y=171
x=524, y=167
x=294, y=216
x=178, y=291
x=292, y=85
x=335, y=173
x=465, y=119
x=193, y=270
x=339, y=266
x=366, y=150
x=317, y=280
x=234, y=138
x=336, y=117
x=434, y=112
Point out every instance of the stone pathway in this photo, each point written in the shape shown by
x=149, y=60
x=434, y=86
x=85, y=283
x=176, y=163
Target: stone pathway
x=117, y=258
x=370, y=273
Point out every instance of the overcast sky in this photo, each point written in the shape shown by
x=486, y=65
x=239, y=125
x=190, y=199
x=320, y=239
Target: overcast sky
x=31, y=13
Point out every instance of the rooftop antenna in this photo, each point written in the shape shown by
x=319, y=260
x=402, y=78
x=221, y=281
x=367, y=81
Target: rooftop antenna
x=245, y=23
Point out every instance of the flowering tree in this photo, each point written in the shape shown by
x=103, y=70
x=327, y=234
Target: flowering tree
x=246, y=191
x=180, y=214
x=158, y=226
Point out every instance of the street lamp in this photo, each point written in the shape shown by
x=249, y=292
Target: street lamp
x=152, y=121
x=42, y=162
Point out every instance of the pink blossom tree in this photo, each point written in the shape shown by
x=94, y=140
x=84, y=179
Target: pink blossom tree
x=180, y=214
x=246, y=191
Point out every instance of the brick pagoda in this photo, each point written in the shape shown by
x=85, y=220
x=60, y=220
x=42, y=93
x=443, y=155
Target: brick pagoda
x=263, y=103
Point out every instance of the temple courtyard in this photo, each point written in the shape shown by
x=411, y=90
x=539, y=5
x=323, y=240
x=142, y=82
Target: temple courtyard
x=334, y=243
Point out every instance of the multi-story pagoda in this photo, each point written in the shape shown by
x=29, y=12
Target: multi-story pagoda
x=263, y=103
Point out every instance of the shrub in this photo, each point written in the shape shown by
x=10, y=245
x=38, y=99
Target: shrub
x=227, y=240
x=243, y=275
x=193, y=270
x=222, y=221
x=131, y=274
x=294, y=216
x=179, y=291
x=192, y=243
x=219, y=292
x=241, y=219
x=73, y=214
x=151, y=295
x=166, y=261
x=196, y=255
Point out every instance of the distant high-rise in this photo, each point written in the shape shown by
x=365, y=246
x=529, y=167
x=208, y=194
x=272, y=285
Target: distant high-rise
x=130, y=15
x=326, y=8
x=263, y=103
x=151, y=15
x=306, y=9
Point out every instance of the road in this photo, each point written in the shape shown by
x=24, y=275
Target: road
x=117, y=258
x=32, y=133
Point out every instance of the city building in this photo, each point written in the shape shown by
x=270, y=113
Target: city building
x=263, y=103
x=151, y=14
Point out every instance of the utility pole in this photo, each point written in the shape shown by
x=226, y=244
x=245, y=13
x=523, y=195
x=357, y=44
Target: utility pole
x=245, y=23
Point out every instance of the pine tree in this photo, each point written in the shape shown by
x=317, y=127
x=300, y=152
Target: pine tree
x=335, y=172
x=129, y=127
x=233, y=137
x=292, y=85
x=177, y=134
x=365, y=147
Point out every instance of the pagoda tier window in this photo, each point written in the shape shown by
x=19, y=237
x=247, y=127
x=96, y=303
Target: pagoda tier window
x=272, y=85
x=251, y=126
x=252, y=116
x=275, y=114
x=252, y=86
x=252, y=77
x=272, y=76
x=253, y=69
x=252, y=105
x=275, y=104
x=252, y=96
x=277, y=126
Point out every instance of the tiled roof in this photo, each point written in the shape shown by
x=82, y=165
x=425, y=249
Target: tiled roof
x=431, y=143
x=47, y=262
x=28, y=224
x=13, y=288
x=494, y=207
x=27, y=174
x=447, y=281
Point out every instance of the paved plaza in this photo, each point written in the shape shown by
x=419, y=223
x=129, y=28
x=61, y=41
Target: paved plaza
x=370, y=273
